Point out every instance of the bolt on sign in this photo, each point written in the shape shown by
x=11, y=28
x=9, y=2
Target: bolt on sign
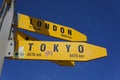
x=19, y=36
x=49, y=28
x=70, y=51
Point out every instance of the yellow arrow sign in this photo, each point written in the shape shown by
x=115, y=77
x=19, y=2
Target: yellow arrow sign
x=49, y=28
x=19, y=36
x=44, y=50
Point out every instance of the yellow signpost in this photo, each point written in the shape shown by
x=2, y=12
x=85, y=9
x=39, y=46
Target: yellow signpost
x=48, y=28
x=29, y=48
x=44, y=50
x=19, y=36
x=63, y=53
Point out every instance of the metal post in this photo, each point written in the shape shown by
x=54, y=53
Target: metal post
x=5, y=31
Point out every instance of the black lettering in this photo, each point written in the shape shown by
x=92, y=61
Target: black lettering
x=31, y=21
x=38, y=54
x=68, y=48
x=39, y=23
x=46, y=26
x=62, y=30
x=80, y=48
x=74, y=55
x=55, y=48
x=30, y=46
x=66, y=36
x=28, y=54
x=81, y=56
x=54, y=28
x=42, y=47
x=69, y=32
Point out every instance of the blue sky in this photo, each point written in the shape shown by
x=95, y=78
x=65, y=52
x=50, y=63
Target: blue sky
x=98, y=19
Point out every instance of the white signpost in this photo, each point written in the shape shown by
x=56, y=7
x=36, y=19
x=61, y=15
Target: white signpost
x=5, y=27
